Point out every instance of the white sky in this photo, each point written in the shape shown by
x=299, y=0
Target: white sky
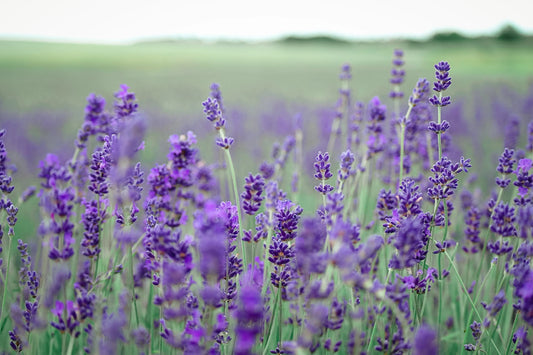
x=114, y=21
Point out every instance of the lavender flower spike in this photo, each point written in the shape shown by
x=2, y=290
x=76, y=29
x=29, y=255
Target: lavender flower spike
x=443, y=82
x=323, y=172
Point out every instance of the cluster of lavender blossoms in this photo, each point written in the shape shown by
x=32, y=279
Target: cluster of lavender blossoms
x=189, y=257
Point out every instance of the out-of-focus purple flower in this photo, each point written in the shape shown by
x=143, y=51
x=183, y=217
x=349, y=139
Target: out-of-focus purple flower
x=249, y=316
x=252, y=193
x=27, y=194
x=524, y=291
x=496, y=305
x=397, y=74
x=524, y=181
x=386, y=202
x=217, y=95
x=472, y=230
x=125, y=103
x=419, y=92
x=410, y=244
x=511, y=133
x=5, y=179
x=529, y=146
x=267, y=170
x=309, y=245
x=425, y=341
x=523, y=344
x=347, y=160
x=476, y=333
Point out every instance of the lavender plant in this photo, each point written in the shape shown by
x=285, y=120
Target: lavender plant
x=180, y=259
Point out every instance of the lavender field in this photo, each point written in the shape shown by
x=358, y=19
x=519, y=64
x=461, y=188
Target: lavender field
x=265, y=199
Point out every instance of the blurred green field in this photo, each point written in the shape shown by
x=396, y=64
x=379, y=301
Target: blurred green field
x=174, y=77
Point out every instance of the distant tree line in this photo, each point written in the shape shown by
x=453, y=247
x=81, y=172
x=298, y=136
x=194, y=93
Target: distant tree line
x=507, y=33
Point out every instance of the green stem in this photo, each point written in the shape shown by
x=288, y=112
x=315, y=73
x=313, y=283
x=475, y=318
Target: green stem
x=511, y=334
x=439, y=118
x=70, y=345
x=269, y=334
x=237, y=201
x=6, y=285
x=133, y=286
x=402, y=141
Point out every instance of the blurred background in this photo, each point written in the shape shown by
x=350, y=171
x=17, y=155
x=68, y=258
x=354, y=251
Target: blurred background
x=274, y=61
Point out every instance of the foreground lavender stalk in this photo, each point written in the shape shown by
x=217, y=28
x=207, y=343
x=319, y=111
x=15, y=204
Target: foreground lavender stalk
x=214, y=114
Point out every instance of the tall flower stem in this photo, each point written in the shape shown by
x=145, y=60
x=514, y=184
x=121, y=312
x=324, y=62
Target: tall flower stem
x=6, y=281
x=233, y=178
x=402, y=141
x=439, y=121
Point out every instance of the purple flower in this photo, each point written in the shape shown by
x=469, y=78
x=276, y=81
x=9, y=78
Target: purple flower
x=287, y=215
x=397, y=74
x=225, y=142
x=496, y=305
x=530, y=137
x=425, y=341
x=252, y=193
x=511, y=133
x=442, y=76
x=386, y=202
x=409, y=198
x=100, y=167
x=249, y=316
x=5, y=180
x=126, y=103
x=505, y=167
x=347, y=160
x=92, y=219
x=217, y=95
x=520, y=338
x=323, y=172
x=524, y=181
x=439, y=128
x=213, y=112
x=472, y=230
x=280, y=252
x=419, y=92
x=445, y=181
x=410, y=242
x=503, y=219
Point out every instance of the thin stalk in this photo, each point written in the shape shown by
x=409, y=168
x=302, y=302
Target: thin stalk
x=233, y=178
x=70, y=345
x=402, y=140
x=515, y=323
x=133, y=286
x=10, y=241
x=467, y=296
x=440, y=267
x=439, y=118
x=269, y=334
